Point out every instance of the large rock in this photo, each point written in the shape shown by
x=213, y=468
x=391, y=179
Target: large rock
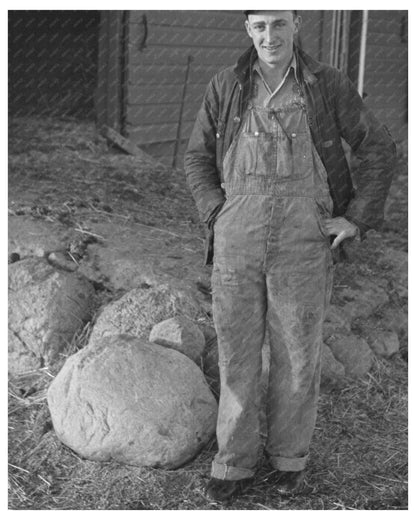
x=132, y=401
x=46, y=308
x=140, y=309
x=361, y=299
x=181, y=334
x=353, y=352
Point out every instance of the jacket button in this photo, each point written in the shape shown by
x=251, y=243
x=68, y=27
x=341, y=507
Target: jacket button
x=256, y=134
x=236, y=119
x=217, y=135
x=294, y=134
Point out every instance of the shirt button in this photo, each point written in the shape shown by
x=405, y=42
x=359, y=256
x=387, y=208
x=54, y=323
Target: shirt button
x=218, y=135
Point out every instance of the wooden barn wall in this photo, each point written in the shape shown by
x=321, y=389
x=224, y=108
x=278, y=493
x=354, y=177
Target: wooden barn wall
x=162, y=45
x=386, y=71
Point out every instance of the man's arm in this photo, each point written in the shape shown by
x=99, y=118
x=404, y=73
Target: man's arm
x=375, y=151
x=200, y=158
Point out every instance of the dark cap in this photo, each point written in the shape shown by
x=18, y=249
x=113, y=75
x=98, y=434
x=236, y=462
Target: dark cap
x=295, y=13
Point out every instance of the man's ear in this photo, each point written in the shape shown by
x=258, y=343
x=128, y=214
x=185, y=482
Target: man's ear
x=248, y=29
x=298, y=22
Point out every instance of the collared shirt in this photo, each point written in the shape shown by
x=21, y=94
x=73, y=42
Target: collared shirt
x=267, y=110
x=262, y=91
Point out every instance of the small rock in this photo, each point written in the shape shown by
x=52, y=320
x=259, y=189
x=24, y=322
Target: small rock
x=336, y=321
x=331, y=369
x=36, y=237
x=353, y=352
x=14, y=257
x=395, y=319
x=384, y=343
x=181, y=334
x=134, y=402
x=361, y=299
x=62, y=261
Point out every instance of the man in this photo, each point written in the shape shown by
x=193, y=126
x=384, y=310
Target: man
x=266, y=166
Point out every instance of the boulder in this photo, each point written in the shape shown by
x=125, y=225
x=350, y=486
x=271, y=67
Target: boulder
x=384, y=343
x=46, y=308
x=361, y=299
x=132, y=401
x=331, y=370
x=353, y=352
x=140, y=309
x=181, y=334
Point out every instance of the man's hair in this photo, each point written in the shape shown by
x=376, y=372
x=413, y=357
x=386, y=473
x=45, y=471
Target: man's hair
x=295, y=13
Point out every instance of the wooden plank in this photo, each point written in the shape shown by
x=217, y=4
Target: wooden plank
x=177, y=55
x=395, y=53
x=202, y=19
x=154, y=113
x=157, y=133
x=161, y=36
x=163, y=94
x=125, y=144
x=170, y=74
x=108, y=97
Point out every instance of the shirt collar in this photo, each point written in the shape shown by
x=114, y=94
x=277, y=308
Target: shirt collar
x=292, y=66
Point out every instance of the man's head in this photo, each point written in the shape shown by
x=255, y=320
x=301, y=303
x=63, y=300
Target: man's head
x=273, y=34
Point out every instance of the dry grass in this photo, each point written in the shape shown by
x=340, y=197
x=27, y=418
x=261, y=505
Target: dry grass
x=359, y=451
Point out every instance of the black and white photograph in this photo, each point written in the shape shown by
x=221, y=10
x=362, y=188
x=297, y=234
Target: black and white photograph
x=207, y=258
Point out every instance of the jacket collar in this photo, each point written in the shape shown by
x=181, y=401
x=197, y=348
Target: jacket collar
x=307, y=67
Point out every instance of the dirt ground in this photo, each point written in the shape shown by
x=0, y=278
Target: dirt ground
x=60, y=170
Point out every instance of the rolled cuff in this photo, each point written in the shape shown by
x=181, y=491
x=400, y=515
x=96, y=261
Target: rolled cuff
x=224, y=472
x=289, y=463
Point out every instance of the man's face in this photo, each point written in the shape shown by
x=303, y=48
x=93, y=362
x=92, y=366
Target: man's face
x=272, y=33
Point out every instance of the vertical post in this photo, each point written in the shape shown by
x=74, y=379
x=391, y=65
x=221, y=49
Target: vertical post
x=363, y=46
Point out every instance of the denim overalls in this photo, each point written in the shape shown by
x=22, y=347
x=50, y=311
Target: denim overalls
x=272, y=268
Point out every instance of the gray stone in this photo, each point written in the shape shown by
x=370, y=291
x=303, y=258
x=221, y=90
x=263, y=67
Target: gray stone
x=331, y=369
x=140, y=309
x=336, y=321
x=394, y=319
x=181, y=334
x=353, y=352
x=362, y=299
x=132, y=401
x=397, y=262
x=37, y=237
x=46, y=308
x=384, y=343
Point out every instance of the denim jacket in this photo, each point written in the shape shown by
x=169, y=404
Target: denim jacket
x=335, y=110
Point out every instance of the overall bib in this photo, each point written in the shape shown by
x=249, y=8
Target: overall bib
x=272, y=268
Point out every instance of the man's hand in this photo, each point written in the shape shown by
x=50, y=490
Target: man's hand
x=341, y=228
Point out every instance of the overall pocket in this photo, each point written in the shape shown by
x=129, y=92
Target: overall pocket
x=299, y=160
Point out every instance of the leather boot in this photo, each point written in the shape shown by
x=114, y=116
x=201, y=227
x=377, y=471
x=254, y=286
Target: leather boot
x=224, y=490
